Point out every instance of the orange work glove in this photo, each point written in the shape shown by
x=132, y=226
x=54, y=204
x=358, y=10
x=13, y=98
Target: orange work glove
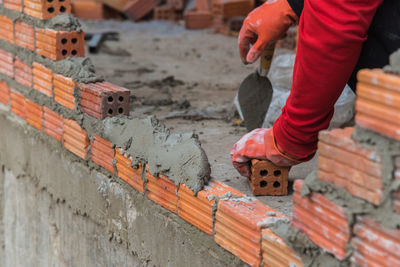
x=263, y=25
x=260, y=144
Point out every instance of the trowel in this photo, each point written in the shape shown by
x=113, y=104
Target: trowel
x=255, y=92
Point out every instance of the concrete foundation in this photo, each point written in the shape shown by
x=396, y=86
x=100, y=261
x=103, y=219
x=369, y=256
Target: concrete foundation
x=56, y=210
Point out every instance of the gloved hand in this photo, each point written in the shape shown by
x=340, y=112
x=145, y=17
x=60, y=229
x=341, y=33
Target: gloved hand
x=260, y=144
x=265, y=24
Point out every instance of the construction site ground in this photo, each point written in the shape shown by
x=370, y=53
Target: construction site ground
x=187, y=79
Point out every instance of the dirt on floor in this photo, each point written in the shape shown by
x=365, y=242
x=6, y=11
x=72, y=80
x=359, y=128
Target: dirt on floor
x=188, y=79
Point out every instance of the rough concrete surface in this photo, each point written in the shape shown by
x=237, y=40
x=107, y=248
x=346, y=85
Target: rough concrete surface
x=189, y=85
x=57, y=211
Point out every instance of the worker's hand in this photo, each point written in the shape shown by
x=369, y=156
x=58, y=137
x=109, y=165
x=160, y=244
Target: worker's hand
x=259, y=144
x=263, y=25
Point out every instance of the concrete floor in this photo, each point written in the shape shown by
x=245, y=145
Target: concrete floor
x=169, y=70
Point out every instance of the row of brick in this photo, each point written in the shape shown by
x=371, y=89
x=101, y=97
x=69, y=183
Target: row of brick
x=326, y=224
x=240, y=222
x=41, y=9
x=52, y=44
x=99, y=100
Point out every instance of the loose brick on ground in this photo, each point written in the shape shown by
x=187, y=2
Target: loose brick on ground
x=238, y=227
x=103, y=153
x=23, y=73
x=6, y=29
x=53, y=124
x=198, y=210
x=162, y=191
x=64, y=89
x=6, y=63
x=17, y=103
x=127, y=173
x=324, y=222
x=198, y=19
x=88, y=9
x=75, y=138
x=276, y=252
x=101, y=100
x=24, y=35
x=45, y=9
x=4, y=93
x=58, y=45
x=136, y=10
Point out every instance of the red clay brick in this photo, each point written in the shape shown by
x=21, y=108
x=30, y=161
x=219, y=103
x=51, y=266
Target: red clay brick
x=4, y=93
x=198, y=210
x=34, y=114
x=198, y=19
x=13, y=4
x=44, y=9
x=6, y=29
x=104, y=99
x=125, y=171
x=17, y=101
x=164, y=12
x=24, y=35
x=53, y=124
x=64, y=89
x=238, y=227
x=89, y=9
x=316, y=212
x=58, y=45
x=162, y=191
x=136, y=10
x=276, y=252
x=375, y=244
x=232, y=8
x=75, y=138
x=23, y=73
x=6, y=63
x=42, y=79
x=203, y=5
x=103, y=153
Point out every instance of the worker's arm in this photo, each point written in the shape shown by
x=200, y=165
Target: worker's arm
x=331, y=35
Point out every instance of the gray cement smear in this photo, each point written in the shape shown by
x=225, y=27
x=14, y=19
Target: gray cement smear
x=57, y=211
x=178, y=156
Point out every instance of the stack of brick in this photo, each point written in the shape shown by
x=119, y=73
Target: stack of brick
x=238, y=227
x=224, y=10
x=126, y=172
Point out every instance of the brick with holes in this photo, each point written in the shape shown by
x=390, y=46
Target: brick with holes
x=6, y=63
x=6, y=29
x=13, y=4
x=53, y=124
x=45, y=9
x=24, y=35
x=268, y=179
x=4, y=93
x=58, y=45
x=64, y=89
x=34, y=114
x=101, y=100
x=17, y=101
x=23, y=73
x=42, y=79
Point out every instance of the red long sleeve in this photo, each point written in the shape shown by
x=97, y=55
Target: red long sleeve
x=331, y=34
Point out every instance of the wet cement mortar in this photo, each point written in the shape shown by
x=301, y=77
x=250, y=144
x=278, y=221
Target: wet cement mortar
x=388, y=150
x=103, y=206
